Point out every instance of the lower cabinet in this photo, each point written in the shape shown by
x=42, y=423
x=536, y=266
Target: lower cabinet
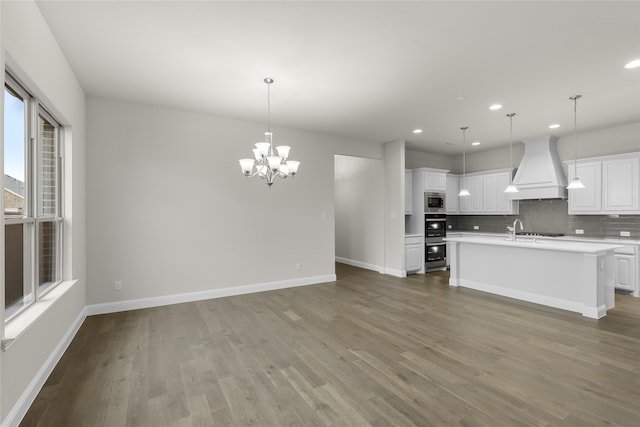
x=626, y=270
x=414, y=253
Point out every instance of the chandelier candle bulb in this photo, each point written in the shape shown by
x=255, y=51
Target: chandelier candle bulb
x=263, y=148
x=283, y=151
x=247, y=166
x=274, y=163
x=293, y=166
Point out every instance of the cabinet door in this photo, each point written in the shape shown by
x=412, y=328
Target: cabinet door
x=464, y=202
x=625, y=272
x=408, y=192
x=475, y=188
x=589, y=199
x=452, y=198
x=413, y=257
x=505, y=205
x=489, y=193
x=473, y=202
x=435, y=181
x=620, y=185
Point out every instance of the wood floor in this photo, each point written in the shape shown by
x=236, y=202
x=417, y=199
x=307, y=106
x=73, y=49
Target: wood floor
x=367, y=350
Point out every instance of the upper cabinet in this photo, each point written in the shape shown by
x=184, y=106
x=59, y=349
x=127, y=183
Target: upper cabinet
x=452, y=200
x=435, y=180
x=620, y=184
x=612, y=185
x=487, y=196
x=588, y=199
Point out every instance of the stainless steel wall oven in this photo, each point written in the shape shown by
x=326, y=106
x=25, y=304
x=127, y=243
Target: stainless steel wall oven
x=435, y=226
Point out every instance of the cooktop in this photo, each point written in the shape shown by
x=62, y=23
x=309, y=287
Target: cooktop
x=539, y=233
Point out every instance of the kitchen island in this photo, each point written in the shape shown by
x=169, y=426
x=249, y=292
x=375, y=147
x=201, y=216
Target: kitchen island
x=573, y=276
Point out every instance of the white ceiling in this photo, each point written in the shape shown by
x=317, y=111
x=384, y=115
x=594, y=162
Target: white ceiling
x=368, y=70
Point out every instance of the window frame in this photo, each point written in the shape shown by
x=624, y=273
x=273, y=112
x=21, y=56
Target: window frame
x=33, y=216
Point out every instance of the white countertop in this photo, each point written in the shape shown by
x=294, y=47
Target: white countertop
x=609, y=240
x=534, y=243
x=413, y=235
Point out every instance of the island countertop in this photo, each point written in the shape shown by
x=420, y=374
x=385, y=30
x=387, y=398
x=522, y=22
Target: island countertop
x=541, y=244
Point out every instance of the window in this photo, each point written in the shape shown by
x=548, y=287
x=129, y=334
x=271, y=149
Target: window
x=32, y=179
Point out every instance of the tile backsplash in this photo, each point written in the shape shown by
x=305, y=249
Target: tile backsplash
x=551, y=216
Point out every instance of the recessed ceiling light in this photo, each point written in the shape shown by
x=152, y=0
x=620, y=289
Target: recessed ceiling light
x=475, y=143
x=417, y=131
x=495, y=107
x=554, y=126
x=633, y=64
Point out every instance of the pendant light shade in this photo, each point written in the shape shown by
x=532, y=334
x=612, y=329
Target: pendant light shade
x=575, y=183
x=464, y=191
x=511, y=188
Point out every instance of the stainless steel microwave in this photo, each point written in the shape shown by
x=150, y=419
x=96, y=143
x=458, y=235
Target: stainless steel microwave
x=434, y=202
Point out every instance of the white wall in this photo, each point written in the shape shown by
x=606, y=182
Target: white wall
x=394, y=168
x=170, y=212
x=359, y=201
x=423, y=159
x=31, y=51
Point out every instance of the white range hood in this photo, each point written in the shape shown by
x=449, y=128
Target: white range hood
x=540, y=174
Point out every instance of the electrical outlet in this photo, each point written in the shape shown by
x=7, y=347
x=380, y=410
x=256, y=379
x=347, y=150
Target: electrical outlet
x=625, y=234
x=476, y=227
x=117, y=285
x=579, y=231
x=299, y=266
x=449, y=226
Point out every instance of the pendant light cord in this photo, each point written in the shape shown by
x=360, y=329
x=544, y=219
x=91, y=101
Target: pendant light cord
x=510, y=115
x=574, y=98
x=464, y=152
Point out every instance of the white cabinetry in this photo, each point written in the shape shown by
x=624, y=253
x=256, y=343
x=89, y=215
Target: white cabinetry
x=452, y=199
x=612, y=185
x=588, y=199
x=435, y=180
x=413, y=253
x=487, y=193
x=627, y=269
x=620, y=185
x=408, y=192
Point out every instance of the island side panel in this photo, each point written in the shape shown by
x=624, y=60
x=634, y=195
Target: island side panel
x=598, y=284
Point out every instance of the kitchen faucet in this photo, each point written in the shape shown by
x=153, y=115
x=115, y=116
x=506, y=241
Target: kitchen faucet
x=513, y=237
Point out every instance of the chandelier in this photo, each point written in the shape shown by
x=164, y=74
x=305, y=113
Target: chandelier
x=265, y=163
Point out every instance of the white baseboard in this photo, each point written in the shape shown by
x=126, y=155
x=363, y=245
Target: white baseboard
x=135, y=304
x=21, y=407
x=394, y=272
x=531, y=297
x=361, y=264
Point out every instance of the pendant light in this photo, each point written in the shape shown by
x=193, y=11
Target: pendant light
x=575, y=183
x=464, y=191
x=511, y=188
x=265, y=163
